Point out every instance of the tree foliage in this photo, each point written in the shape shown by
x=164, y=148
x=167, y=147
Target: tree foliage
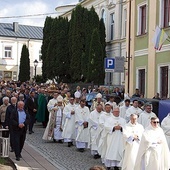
x=96, y=66
x=24, y=69
x=68, y=47
x=45, y=44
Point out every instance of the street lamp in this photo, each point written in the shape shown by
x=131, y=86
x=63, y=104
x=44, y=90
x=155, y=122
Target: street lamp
x=35, y=65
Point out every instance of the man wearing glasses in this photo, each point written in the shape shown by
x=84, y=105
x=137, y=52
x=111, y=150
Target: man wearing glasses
x=145, y=116
x=153, y=151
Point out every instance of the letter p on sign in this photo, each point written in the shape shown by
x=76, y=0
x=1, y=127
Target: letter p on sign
x=109, y=63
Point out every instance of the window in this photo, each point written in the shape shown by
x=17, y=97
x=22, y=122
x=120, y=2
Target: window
x=40, y=55
x=142, y=19
x=141, y=80
x=8, y=52
x=166, y=13
x=112, y=16
x=125, y=22
x=164, y=81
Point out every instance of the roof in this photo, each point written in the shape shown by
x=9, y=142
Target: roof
x=24, y=31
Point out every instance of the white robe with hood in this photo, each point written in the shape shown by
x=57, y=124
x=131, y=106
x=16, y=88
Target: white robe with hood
x=153, y=155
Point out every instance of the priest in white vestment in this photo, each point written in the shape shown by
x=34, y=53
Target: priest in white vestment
x=132, y=135
x=69, y=122
x=153, y=153
x=95, y=129
x=124, y=108
x=81, y=119
x=98, y=100
x=112, y=102
x=58, y=121
x=134, y=109
x=165, y=124
x=145, y=116
x=114, y=140
x=52, y=107
x=107, y=114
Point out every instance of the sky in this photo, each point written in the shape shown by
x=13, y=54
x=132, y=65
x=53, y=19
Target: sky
x=9, y=8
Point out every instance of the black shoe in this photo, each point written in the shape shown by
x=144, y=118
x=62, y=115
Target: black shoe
x=59, y=141
x=20, y=156
x=70, y=144
x=30, y=132
x=81, y=150
x=97, y=156
x=17, y=158
x=116, y=168
x=54, y=140
x=108, y=168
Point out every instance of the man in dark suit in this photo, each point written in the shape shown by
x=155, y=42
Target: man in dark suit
x=19, y=121
x=31, y=105
x=9, y=111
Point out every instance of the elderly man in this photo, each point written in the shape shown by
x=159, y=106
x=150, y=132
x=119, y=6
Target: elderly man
x=81, y=119
x=3, y=108
x=145, y=116
x=97, y=101
x=69, y=122
x=165, y=124
x=153, y=151
x=114, y=140
x=101, y=134
x=19, y=121
x=134, y=109
x=9, y=111
x=132, y=136
x=95, y=129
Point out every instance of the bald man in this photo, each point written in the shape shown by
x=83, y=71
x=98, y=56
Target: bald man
x=19, y=121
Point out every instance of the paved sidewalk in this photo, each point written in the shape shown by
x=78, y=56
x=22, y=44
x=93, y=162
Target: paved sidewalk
x=31, y=160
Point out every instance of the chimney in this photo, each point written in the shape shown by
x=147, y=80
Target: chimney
x=15, y=26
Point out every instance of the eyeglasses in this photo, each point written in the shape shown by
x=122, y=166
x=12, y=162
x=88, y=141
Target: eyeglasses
x=155, y=122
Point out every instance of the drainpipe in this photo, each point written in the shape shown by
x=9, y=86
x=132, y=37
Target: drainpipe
x=129, y=37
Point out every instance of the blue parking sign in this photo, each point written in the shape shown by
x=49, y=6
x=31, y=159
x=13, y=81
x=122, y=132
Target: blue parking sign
x=109, y=64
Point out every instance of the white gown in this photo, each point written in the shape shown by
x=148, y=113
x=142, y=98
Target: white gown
x=82, y=136
x=114, y=141
x=152, y=154
x=165, y=124
x=131, y=145
x=94, y=129
x=68, y=123
x=57, y=130
x=145, y=118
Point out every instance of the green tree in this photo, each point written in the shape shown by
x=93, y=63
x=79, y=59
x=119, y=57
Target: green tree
x=62, y=58
x=102, y=36
x=24, y=68
x=96, y=61
x=44, y=48
x=76, y=42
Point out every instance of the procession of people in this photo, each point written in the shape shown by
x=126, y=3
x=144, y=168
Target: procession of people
x=124, y=137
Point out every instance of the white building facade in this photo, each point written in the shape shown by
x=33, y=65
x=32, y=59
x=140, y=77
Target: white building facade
x=12, y=38
x=114, y=14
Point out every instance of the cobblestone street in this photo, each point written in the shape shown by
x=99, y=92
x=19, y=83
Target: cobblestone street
x=61, y=156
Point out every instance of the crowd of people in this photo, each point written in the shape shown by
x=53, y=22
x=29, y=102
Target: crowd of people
x=127, y=136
